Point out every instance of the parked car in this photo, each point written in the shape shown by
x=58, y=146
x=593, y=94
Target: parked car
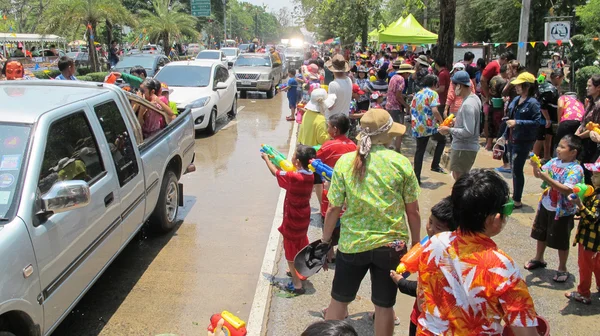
x=151, y=62
x=244, y=47
x=294, y=57
x=78, y=182
x=205, y=87
x=49, y=53
x=231, y=54
x=152, y=49
x=80, y=58
x=194, y=49
x=214, y=55
x=256, y=72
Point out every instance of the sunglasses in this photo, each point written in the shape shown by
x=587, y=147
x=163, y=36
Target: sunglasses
x=507, y=209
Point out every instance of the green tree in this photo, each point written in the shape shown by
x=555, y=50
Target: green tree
x=588, y=15
x=64, y=14
x=167, y=21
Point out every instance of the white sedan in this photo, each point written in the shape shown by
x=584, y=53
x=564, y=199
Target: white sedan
x=206, y=87
x=214, y=55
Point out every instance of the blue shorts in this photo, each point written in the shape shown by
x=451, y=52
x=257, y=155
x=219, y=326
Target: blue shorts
x=293, y=99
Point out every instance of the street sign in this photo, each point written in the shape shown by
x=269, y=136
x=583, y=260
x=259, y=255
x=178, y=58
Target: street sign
x=557, y=30
x=200, y=8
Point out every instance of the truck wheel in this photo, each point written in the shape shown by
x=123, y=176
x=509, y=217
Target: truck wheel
x=165, y=213
x=243, y=94
x=212, y=122
x=271, y=92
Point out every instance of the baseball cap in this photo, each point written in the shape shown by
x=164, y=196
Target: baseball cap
x=462, y=78
x=356, y=89
x=524, y=77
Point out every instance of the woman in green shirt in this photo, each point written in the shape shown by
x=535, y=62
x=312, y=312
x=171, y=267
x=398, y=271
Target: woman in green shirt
x=378, y=186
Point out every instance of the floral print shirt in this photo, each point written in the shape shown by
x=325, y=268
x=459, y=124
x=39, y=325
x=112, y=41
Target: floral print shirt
x=375, y=207
x=423, y=121
x=467, y=286
x=573, y=109
x=567, y=173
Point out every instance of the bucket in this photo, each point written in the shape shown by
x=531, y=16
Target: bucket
x=497, y=103
x=543, y=328
x=498, y=151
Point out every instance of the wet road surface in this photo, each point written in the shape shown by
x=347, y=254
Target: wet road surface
x=172, y=284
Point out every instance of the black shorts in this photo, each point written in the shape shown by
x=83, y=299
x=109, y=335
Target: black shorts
x=542, y=131
x=566, y=127
x=318, y=179
x=556, y=233
x=350, y=269
x=397, y=116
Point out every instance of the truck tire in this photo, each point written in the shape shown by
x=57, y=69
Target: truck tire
x=271, y=92
x=164, y=217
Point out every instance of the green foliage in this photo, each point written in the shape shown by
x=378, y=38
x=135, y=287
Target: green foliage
x=581, y=78
x=86, y=79
x=82, y=71
x=588, y=16
x=46, y=74
x=96, y=76
x=168, y=22
x=583, y=51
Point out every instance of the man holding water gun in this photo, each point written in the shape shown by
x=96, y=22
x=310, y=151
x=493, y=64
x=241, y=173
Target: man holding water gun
x=337, y=127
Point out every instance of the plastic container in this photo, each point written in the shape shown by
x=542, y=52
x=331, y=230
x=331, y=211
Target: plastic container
x=497, y=102
x=111, y=79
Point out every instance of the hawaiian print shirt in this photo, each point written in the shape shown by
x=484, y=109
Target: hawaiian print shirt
x=567, y=173
x=467, y=286
x=375, y=207
x=573, y=109
x=423, y=121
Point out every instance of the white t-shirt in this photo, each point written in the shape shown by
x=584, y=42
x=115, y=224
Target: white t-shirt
x=342, y=88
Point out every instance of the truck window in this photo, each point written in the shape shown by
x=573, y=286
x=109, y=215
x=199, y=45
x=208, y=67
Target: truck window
x=71, y=153
x=118, y=140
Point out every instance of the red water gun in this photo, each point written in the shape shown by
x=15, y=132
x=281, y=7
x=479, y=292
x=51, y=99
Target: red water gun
x=232, y=326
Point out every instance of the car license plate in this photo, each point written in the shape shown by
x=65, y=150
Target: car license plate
x=246, y=83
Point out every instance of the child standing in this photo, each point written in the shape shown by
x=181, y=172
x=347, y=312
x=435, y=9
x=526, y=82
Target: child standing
x=292, y=94
x=440, y=220
x=296, y=208
x=588, y=238
x=554, y=219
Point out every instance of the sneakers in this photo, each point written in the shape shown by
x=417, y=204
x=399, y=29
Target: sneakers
x=291, y=289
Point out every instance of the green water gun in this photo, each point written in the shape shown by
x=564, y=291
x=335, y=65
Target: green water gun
x=277, y=158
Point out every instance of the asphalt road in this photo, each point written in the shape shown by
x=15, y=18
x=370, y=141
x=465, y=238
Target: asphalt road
x=172, y=284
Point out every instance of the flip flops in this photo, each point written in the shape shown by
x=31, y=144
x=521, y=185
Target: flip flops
x=535, y=264
x=578, y=297
x=561, y=276
x=396, y=318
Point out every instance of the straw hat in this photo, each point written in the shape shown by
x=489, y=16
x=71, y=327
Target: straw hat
x=404, y=68
x=338, y=64
x=423, y=60
x=378, y=126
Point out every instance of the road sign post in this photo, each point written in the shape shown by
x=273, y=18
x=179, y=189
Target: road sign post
x=200, y=8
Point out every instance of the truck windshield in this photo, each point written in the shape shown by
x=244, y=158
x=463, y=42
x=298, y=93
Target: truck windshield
x=14, y=139
x=252, y=60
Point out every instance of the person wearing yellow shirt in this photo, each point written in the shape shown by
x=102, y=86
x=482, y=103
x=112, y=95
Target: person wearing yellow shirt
x=313, y=130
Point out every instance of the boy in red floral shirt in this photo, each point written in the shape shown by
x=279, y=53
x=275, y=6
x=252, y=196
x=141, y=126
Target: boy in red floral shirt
x=296, y=208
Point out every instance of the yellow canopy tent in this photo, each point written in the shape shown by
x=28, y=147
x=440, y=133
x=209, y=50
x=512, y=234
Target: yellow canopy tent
x=374, y=35
x=408, y=31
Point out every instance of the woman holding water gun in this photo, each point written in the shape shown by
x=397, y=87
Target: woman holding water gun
x=592, y=114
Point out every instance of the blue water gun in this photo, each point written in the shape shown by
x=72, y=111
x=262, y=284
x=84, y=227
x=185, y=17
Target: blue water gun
x=317, y=166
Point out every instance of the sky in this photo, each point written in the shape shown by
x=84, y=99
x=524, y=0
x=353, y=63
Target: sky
x=273, y=5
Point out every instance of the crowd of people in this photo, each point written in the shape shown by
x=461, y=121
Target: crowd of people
x=353, y=118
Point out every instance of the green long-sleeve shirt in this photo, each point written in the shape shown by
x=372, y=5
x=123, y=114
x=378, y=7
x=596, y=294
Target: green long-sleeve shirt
x=132, y=80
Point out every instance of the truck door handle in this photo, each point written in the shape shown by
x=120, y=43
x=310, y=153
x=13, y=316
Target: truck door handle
x=109, y=199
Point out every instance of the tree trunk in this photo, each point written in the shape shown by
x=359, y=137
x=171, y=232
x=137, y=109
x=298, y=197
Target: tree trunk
x=425, y=13
x=109, y=32
x=446, y=33
x=166, y=44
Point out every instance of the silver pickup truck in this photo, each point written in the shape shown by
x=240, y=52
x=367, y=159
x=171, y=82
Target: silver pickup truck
x=77, y=181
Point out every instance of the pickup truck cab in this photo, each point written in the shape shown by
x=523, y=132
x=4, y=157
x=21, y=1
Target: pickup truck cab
x=77, y=181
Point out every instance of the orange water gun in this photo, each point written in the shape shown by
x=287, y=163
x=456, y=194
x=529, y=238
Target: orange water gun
x=408, y=261
x=448, y=120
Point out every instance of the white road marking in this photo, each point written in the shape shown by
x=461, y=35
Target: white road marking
x=263, y=286
x=233, y=122
x=240, y=108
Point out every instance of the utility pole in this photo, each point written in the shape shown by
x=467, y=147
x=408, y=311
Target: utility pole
x=523, y=32
x=224, y=22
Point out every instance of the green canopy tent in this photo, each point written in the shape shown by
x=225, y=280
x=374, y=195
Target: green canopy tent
x=374, y=35
x=407, y=31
